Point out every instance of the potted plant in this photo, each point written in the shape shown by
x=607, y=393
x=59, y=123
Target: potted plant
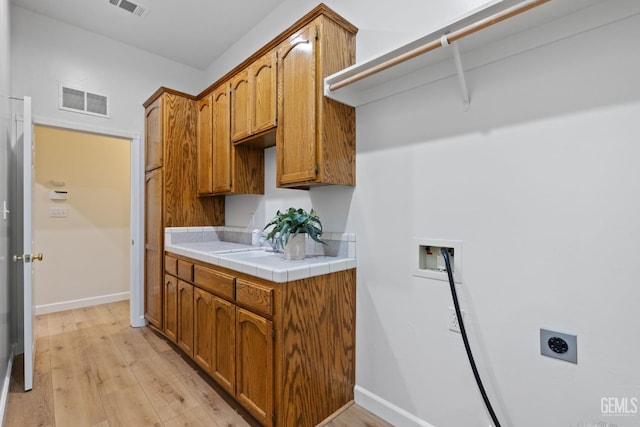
x=289, y=229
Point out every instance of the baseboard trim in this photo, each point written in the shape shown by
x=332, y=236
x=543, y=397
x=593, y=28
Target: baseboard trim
x=387, y=410
x=138, y=322
x=5, y=385
x=80, y=303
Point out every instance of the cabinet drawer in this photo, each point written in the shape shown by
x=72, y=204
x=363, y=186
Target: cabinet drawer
x=255, y=297
x=185, y=270
x=171, y=265
x=212, y=281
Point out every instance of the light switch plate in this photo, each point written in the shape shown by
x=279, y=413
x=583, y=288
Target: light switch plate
x=58, y=212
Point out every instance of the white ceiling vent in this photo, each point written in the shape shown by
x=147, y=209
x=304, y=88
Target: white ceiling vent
x=81, y=101
x=131, y=7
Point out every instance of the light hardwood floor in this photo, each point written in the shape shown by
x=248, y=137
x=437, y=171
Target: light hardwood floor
x=93, y=369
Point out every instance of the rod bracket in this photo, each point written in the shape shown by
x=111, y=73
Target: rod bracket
x=466, y=103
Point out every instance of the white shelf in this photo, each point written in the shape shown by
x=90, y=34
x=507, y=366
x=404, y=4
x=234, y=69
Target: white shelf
x=552, y=21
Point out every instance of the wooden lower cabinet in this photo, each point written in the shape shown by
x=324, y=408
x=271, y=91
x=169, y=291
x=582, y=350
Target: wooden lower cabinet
x=224, y=342
x=284, y=351
x=171, y=307
x=254, y=365
x=203, y=329
x=185, y=317
x=214, y=337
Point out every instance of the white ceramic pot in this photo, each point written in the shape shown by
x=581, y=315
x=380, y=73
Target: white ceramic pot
x=295, y=248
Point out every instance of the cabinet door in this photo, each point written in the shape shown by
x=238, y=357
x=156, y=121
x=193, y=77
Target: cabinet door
x=224, y=344
x=185, y=317
x=254, y=365
x=153, y=135
x=204, y=147
x=153, y=247
x=296, y=134
x=240, y=110
x=262, y=78
x=203, y=328
x=171, y=307
x=221, y=140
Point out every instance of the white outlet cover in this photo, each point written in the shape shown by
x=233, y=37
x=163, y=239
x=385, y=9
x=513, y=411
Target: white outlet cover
x=454, y=324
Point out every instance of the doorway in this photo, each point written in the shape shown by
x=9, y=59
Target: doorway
x=81, y=218
x=90, y=226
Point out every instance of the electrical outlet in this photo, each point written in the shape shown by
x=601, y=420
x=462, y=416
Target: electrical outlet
x=559, y=345
x=454, y=325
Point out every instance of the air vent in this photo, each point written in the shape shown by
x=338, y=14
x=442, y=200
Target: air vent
x=80, y=101
x=131, y=7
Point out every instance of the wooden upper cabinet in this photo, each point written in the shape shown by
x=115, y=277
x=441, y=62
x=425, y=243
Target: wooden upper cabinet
x=296, y=140
x=221, y=141
x=240, y=110
x=205, y=182
x=262, y=93
x=253, y=98
x=315, y=140
x=153, y=136
x=234, y=169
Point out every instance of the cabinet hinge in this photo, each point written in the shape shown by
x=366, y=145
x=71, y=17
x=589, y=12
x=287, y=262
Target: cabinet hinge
x=317, y=33
x=273, y=417
x=273, y=334
x=317, y=168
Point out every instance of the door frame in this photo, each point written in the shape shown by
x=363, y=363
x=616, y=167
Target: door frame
x=136, y=226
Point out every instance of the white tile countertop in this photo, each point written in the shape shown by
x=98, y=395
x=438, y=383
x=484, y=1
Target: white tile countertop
x=230, y=247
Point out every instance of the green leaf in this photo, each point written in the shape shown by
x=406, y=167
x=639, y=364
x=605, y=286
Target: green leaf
x=292, y=222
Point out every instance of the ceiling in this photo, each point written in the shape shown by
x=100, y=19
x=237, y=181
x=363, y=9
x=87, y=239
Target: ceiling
x=193, y=32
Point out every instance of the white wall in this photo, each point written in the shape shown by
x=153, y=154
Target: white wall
x=46, y=52
x=87, y=252
x=539, y=181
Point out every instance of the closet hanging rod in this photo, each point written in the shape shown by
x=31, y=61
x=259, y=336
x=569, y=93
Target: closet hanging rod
x=443, y=41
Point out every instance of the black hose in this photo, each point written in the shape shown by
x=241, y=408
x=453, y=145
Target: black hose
x=463, y=331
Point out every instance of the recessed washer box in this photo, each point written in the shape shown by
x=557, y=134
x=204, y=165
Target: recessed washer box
x=429, y=262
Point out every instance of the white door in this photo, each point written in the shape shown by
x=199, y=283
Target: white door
x=26, y=146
